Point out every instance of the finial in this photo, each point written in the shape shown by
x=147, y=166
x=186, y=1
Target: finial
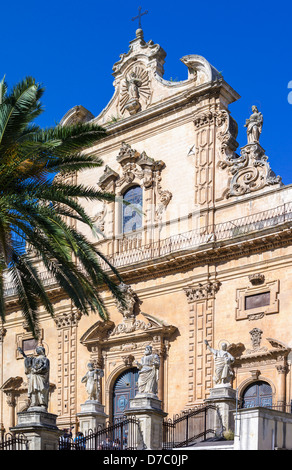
x=139, y=33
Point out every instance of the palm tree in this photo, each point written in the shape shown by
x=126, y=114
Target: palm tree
x=35, y=207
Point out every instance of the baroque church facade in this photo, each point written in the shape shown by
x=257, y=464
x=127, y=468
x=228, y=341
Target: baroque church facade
x=204, y=251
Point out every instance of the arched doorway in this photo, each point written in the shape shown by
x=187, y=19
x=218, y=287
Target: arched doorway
x=125, y=388
x=257, y=394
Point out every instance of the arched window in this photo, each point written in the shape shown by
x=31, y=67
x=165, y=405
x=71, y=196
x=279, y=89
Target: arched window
x=132, y=214
x=257, y=394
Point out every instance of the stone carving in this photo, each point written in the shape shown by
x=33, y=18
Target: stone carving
x=222, y=361
x=202, y=291
x=92, y=382
x=256, y=279
x=135, y=88
x=68, y=319
x=99, y=219
x=136, y=165
x=130, y=299
x=148, y=372
x=254, y=126
x=37, y=370
x=227, y=130
x=164, y=199
x=133, y=84
x=129, y=326
x=256, y=338
x=251, y=170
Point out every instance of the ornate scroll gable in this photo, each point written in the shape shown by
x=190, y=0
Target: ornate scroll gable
x=76, y=115
x=251, y=170
x=132, y=74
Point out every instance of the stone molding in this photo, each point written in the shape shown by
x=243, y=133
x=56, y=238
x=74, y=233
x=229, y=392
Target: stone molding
x=273, y=287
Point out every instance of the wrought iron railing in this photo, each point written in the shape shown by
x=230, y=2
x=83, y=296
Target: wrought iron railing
x=191, y=241
x=190, y=427
x=123, y=434
x=12, y=442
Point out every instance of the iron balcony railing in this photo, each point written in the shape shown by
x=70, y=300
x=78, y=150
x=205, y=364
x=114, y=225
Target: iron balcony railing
x=190, y=241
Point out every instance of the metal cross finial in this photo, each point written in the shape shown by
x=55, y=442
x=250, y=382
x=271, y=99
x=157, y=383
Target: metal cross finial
x=139, y=16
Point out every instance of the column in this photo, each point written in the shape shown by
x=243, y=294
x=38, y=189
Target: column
x=281, y=402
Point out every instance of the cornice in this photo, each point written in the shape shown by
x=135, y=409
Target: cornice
x=170, y=106
x=183, y=261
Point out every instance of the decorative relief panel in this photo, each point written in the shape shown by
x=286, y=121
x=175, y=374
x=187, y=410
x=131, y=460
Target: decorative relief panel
x=201, y=298
x=67, y=364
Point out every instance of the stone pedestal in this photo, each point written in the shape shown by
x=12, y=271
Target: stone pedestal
x=91, y=416
x=225, y=399
x=147, y=410
x=40, y=429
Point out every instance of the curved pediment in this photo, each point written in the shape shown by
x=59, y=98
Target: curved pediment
x=102, y=333
x=75, y=115
x=96, y=332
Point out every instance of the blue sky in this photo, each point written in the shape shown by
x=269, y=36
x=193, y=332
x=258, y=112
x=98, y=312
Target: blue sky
x=71, y=46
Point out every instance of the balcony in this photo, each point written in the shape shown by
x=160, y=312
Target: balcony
x=205, y=239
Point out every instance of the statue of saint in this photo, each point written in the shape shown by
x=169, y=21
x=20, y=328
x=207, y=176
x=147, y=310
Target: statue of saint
x=148, y=372
x=254, y=126
x=92, y=381
x=222, y=360
x=37, y=369
x=133, y=84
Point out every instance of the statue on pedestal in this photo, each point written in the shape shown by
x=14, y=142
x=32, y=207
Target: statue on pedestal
x=148, y=372
x=37, y=369
x=222, y=360
x=92, y=381
x=254, y=126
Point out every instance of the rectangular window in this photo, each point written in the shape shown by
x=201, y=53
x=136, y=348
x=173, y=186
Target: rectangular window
x=29, y=344
x=257, y=300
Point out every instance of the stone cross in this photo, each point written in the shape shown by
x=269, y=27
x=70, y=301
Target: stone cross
x=139, y=16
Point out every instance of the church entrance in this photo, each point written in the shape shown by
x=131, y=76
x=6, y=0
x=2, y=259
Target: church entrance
x=257, y=394
x=125, y=388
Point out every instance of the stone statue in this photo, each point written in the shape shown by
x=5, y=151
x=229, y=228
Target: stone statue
x=222, y=360
x=37, y=369
x=92, y=381
x=254, y=126
x=133, y=84
x=148, y=372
